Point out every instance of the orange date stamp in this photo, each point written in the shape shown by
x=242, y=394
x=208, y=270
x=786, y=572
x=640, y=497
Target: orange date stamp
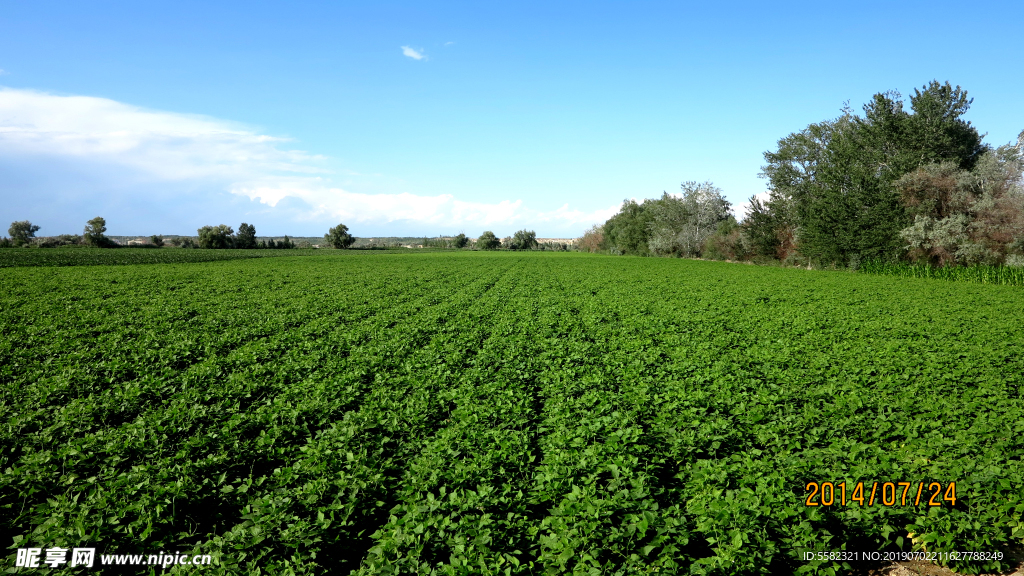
x=881, y=493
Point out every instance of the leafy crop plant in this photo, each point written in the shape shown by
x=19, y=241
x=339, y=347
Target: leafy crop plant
x=506, y=413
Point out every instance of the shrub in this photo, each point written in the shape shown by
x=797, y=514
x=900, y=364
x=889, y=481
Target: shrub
x=591, y=240
x=727, y=243
x=62, y=240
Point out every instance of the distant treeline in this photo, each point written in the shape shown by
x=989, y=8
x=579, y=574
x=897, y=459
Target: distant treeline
x=222, y=236
x=888, y=185
x=23, y=234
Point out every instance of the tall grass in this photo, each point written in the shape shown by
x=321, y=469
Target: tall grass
x=1007, y=275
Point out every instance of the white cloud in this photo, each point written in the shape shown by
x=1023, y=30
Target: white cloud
x=328, y=202
x=448, y=43
x=124, y=142
x=167, y=145
x=572, y=216
x=413, y=53
x=2, y=71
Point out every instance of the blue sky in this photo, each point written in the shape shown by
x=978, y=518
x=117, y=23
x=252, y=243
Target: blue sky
x=429, y=118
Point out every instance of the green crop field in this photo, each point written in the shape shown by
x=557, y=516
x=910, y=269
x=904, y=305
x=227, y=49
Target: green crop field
x=507, y=413
x=80, y=256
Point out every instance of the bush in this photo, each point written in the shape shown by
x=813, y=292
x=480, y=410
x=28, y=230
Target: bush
x=727, y=243
x=592, y=239
x=62, y=240
x=1015, y=261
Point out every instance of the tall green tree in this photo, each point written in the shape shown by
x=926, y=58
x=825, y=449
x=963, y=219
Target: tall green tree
x=839, y=176
x=936, y=131
x=629, y=231
x=763, y=227
x=22, y=232
x=94, y=232
x=339, y=237
x=853, y=212
x=460, y=241
x=246, y=237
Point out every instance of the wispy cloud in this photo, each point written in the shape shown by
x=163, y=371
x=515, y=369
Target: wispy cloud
x=413, y=53
x=2, y=71
x=448, y=43
x=172, y=151
x=166, y=145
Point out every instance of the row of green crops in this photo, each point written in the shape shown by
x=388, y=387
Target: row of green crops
x=76, y=256
x=503, y=413
x=1004, y=275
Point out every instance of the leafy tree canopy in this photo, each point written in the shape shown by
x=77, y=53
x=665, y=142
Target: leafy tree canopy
x=339, y=237
x=628, y=231
x=246, y=237
x=22, y=232
x=94, y=232
x=523, y=240
x=219, y=236
x=488, y=241
x=680, y=225
x=833, y=182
